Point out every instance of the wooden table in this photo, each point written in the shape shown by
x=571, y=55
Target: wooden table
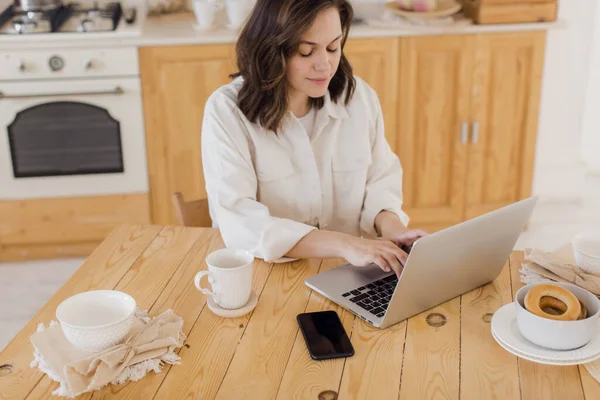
x=263, y=356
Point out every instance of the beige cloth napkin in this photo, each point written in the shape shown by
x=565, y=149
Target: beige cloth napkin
x=150, y=343
x=539, y=266
x=557, y=266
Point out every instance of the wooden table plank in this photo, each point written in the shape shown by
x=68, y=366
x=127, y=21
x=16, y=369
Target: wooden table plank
x=305, y=378
x=270, y=335
x=185, y=300
x=540, y=381
x=103, y=269
x=212, y=344
x=147, y=278
x=487, y=370
x=431, y=356
x=591, y=387
x=374, y=370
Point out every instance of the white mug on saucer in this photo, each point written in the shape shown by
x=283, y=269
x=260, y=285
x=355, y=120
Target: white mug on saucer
x=230, y=276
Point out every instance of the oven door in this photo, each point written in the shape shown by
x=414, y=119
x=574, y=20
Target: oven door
x=71, y=138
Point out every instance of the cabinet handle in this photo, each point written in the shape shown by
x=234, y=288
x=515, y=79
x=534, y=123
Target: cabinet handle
x=475, y=134
x=464, y=132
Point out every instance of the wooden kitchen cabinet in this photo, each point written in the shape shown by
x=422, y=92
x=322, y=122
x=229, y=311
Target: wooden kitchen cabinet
x=435, y=78
x=467, y=128
x=376, y=62
x=504, y=115
x=64, y=227
x=176, y=83
x=460, y=111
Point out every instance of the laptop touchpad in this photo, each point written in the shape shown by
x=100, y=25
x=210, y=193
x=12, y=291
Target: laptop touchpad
x=371, y=272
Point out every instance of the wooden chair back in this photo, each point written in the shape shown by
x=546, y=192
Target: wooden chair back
x=191, y=213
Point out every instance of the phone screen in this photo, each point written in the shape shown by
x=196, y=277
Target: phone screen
x=324, y=335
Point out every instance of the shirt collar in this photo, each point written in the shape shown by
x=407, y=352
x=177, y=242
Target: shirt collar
x=334, y=109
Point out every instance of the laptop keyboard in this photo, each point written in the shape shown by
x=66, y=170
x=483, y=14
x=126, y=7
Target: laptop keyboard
x=374, y=297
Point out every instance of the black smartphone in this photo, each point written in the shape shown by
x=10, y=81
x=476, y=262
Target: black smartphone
x=325, y=335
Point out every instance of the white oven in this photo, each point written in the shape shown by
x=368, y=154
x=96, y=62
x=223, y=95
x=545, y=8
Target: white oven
x=71, y=124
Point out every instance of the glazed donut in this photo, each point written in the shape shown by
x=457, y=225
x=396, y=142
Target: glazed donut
x=554, y=302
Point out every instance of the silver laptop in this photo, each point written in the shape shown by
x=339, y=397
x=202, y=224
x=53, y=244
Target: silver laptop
x=440, y=266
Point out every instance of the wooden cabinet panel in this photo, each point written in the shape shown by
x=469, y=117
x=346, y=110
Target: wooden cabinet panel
x=504, y=111
x=64, y=227
x=68, y=220
x=376, y=62
x=435, y=77
x=176, y=82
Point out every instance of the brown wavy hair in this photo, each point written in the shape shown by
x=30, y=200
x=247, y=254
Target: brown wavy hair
x=270, y=37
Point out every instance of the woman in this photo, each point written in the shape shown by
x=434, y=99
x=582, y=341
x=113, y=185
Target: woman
x=295, y=158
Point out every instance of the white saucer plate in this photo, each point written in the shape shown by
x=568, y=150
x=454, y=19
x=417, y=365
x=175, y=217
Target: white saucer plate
x=541, y=360
x=506, y=333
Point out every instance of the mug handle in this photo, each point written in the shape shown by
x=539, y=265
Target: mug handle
x=211, y=280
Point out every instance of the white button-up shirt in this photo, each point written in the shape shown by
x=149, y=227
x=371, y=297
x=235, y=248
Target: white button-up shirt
x=267, y=191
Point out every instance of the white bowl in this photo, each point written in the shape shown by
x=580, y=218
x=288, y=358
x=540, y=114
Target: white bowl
x=368, y=9
x=559, y=335
x=97, y=319
x=586, y=249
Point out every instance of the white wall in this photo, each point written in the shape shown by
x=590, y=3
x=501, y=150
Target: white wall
x=590, y=149
x=560, y=169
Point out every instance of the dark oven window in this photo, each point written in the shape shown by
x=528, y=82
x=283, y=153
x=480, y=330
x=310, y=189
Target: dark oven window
x=65, y=138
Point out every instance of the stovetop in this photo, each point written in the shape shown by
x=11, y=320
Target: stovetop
x=73, y=17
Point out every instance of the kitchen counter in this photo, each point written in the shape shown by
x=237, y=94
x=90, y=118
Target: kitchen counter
x=178, y=29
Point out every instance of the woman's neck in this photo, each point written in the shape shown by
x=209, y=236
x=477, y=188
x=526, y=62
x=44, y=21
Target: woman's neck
x=298, y=103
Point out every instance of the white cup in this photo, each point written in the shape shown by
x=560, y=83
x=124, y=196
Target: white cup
x=238, y=11
x=230, y=276
x=205, y=11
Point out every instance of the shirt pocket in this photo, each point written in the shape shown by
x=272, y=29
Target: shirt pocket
x=278, y=188
x=350, y=170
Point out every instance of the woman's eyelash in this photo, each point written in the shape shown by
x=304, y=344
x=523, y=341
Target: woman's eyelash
x=309, y=54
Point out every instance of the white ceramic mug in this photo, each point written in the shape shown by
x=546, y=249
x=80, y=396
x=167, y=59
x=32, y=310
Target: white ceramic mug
x=205, y=11
x=230, y=276
x=238, y=11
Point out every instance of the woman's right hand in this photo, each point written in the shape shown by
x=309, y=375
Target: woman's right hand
x=362, y=252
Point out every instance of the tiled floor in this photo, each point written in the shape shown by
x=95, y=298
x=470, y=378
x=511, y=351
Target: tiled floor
x=26, y=287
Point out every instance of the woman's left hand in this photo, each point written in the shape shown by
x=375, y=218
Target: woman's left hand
x=407, y=237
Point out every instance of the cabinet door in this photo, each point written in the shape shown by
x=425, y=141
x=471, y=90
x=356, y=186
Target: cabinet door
x=504, y=106
x=176, y=82
x=376, y=62
x=434, y=90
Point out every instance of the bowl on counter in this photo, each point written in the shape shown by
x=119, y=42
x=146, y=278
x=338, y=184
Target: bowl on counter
x=554, y=334
x=366, y=10
x=586, y=249
x=96, y=320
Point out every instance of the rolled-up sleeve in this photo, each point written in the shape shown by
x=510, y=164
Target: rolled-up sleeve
x=384, y=181
x=231, y=185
